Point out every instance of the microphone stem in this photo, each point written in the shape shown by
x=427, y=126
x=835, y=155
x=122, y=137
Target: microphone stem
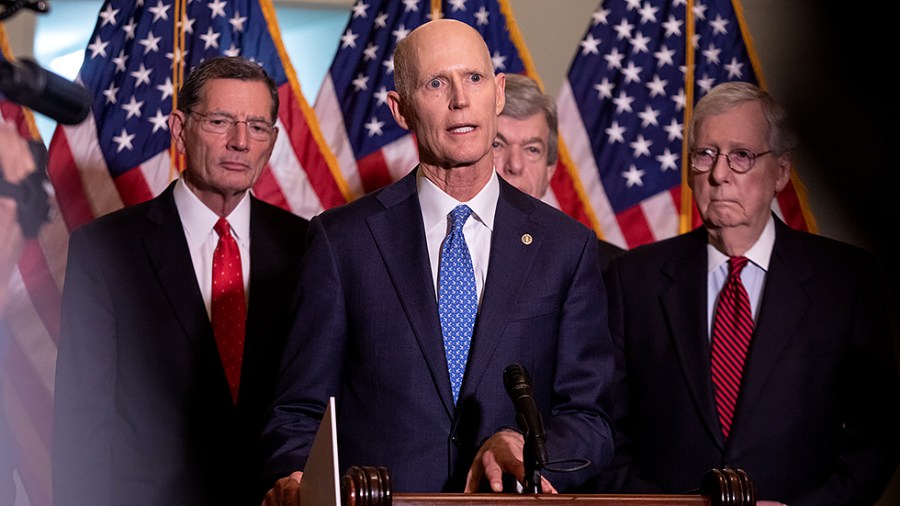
x=531, y=484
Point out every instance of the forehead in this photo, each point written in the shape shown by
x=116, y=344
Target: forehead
x=237, y=96
x=743, y=123
x=449, y=48
x=532, y=128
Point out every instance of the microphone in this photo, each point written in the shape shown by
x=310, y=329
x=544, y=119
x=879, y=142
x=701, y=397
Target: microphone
x=519, y=387
x=27, y=83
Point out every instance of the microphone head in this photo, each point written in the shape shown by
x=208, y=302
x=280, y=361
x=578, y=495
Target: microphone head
x=27, y=83
x=516, y=380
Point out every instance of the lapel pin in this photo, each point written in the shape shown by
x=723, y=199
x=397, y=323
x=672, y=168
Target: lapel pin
x=527, y=239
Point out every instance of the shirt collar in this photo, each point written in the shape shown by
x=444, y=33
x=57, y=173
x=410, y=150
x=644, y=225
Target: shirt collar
x=436, y=204
x=760, y=253
x=198, y=220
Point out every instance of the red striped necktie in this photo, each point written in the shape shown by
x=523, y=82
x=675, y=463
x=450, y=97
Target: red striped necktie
x=732, y=328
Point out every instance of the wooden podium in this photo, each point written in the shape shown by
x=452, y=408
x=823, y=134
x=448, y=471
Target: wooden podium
x=371, y=486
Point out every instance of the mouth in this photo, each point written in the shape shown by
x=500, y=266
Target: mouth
x=234, y=165
x=461, y=129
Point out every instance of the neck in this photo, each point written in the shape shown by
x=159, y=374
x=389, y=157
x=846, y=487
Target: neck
x=733, y=241
x=461, y=183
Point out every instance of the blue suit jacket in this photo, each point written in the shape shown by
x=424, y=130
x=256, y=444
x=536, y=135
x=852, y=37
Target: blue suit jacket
x=816, y=421
x=368, y=333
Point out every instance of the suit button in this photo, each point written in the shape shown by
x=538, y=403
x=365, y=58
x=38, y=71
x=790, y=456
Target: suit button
x=454, y=440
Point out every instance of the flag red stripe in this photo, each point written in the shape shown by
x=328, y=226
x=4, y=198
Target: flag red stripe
x=373, y=171
x=41, y=286
x=132, y=186
x=569, y=200
x=267, y=189
x=70, y=194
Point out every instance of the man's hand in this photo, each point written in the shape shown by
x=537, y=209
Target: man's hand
x=501, y=453
x=16, y=162
x=285, y=492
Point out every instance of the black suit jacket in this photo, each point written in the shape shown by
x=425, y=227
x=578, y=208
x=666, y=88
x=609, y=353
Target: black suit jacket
x=368, y=333
x=816, y=421
x=143, y=413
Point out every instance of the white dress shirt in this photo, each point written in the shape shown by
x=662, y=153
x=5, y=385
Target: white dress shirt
x=198, y=222
x=436, y=206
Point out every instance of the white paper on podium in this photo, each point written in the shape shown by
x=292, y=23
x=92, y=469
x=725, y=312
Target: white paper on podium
x=321, y=485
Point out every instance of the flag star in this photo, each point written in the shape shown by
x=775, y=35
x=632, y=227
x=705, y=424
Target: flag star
x=481, y=17
x=657, y=86
x=348, y=39
x=599, y=17
x=641, y=146
x=639, y=43
x=381, y=95
x=674, y=129
x=411, y=5
x=633, y=5
x=706, y=83
x=712, y=54
x=648, y=13
x=735, y=69
x=108, y=16
x=590, y=44
x=719, y=25
x=604, y=88
x=401, y=32
x=237, y=22
x=458, y=5
x=615, y=133
x=188, y=25
x=133, y=107
x=359, y=9
x=139, y=3
x=679, y=99
x=632, y=73
x=120, y=61
x=150, y=43
x=695, y=41
x=160, y=121
x=623, y=102
x=498, y=60
x=389, y=65
x=623, y=29
x=633, y=176
x=181, y=55
x=381, y=20
x=667, y=160
x=664, y=56
x=129, y=29
x=210, y=38
x=160, y=11
x=361, y=82
x=649, y=116
x=374, y=127
x=98, y=47
x=673, y=26
x=217, y=7
x=167, y=89
x=232, y=51
x=142, y=75
x=124, y=141
x=371, y=52
x=614, y=59
x=700, y=11
x=110, y=93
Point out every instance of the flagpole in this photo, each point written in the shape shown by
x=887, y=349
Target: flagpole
x=685, y=223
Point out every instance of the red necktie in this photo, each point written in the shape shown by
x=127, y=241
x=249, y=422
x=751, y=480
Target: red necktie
x=229, y=308
x=732, y=328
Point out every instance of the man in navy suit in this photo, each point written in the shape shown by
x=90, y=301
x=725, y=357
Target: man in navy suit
x=368, y=329
x=815, y=421
x=145, y=412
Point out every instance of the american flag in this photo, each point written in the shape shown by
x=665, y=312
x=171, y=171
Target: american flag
x=372, y=150
x=28, y=359
x=622, y=111
x=120, y=155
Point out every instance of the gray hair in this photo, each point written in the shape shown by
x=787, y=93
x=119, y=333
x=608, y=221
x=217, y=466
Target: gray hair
x=224, y=67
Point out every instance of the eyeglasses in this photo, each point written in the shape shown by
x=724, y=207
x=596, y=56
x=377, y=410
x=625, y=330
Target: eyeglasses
x=219, y=123
x=739, y=160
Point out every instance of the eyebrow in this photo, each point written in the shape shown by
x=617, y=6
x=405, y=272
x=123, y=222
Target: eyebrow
x=532, y=140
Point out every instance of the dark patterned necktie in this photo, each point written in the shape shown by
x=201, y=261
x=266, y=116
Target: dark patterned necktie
x=457, y=298
x=732, y=328
x=229, y=307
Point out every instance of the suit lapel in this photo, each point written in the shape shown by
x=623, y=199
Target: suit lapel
x=509, y=258
x=167, y=250
x=784, y=301
x=684, y=306
x=400, y=237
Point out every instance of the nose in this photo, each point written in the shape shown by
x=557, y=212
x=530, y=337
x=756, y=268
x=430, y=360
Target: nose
x=237, y=137
x=720, y=169
x=509, y=160
x=459, y=97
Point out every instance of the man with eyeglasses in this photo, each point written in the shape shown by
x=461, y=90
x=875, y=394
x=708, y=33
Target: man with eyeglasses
x=166, y=368
x=784, y=369
x=527, y=142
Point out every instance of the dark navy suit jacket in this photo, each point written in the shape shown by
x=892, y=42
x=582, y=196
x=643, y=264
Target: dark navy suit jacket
x=368, y=333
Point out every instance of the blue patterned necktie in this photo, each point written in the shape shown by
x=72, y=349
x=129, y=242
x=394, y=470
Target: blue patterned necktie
x=457, y=298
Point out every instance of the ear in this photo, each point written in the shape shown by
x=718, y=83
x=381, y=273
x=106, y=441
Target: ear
x=785, y=162
x=176, y=127
x=393, y=100
x=500, y=83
